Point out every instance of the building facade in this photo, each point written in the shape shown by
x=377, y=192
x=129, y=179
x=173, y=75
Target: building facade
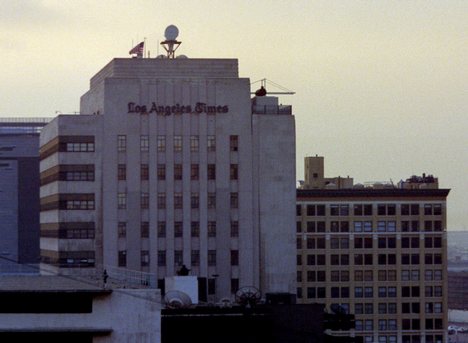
x=172, y=163
x=19, y=192
x=381, y=254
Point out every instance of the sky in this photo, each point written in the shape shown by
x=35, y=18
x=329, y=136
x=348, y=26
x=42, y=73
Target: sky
x=381, y=86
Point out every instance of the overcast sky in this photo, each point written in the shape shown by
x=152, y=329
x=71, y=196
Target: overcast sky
x=381, y=86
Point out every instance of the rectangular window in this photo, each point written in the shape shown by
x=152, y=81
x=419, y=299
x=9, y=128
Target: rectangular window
x=121, y=143
x=177, y=171
x=122, y=229
x=161, y=201
x=178, y=200
x=234, y=257
x=234, y=143
x=195, y=229
x=122, y=258
x=195, y=257
x=121, y=200
x=234, y=285
x=194, y=200
x=161, y=229
x=194, y=143
x=144, y=258
x=144, y=229
x=161, y=172
x=211, y=258
x=194, y=172
x=211, y=172
x=178, y=229
x=121, y=172
x=144, y=200
x=178, y=258
x=144, y=172
x=144, y=143
x=211, y=229
x=161, y=258
x=234, y=171
x=211, y=200
x=161, y=143
x=177, y=143
x=234, y=228
x=211, y=143
x=234, y=200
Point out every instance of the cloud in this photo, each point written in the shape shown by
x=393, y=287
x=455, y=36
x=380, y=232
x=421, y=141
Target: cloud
x=14, y=13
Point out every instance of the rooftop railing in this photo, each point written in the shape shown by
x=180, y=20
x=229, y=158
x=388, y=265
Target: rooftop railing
x=272, y=109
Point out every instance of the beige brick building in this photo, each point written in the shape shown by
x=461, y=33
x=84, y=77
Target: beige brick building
x=380, y=252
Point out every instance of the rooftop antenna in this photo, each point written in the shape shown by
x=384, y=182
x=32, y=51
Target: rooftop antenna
x=171, y=43
x=263, y=88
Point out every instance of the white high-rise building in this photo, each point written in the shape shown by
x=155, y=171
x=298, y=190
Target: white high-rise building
x=171, y=163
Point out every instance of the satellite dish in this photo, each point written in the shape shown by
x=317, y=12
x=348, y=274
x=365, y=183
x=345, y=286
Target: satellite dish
x=248, y=296
x=177, y=299
x=171, y=32
x=225, y=302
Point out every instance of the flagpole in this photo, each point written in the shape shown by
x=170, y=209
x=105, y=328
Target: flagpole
x=144, y=47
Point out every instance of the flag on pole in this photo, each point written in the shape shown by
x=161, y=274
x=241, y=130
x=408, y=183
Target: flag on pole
x=138, y=49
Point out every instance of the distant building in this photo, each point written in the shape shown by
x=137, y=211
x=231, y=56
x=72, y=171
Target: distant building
x=379, y=252
x=172, y=163
x=19, y=192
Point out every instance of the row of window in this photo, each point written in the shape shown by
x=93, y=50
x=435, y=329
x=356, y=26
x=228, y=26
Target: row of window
x=178, y=200
x=178, y=258
x=430, y=338
x=367, y=242
x=344, y=210
x=368, y=292
x=368, y=275
x=368, y=226
x=177, y=143
x=178, y=229
x=368, y=259
x=178, y=172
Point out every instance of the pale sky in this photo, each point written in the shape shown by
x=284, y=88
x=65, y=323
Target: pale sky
x=381, y=86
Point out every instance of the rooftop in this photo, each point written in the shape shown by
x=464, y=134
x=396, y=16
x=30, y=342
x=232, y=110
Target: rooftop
x=46, y=283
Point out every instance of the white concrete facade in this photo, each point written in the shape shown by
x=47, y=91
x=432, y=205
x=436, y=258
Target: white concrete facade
x=188, y=117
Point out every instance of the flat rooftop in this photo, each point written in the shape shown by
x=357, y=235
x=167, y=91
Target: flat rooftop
x=47, y=283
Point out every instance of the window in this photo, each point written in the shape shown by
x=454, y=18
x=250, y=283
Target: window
x=121, y=200
x=195, y=257
x=234, y=228
x=362, y=210
x=144, y=229
x=178, y=229
x=195, y=229
x=144, y=143
x=234, y=202
x=161, y=258
x=178, y=201
x=211, y=172
x=122, y=258
x=144, y=172
x=144, y=258
x=122, y=229
x=194, y=200
x=234, y=285
x=211, y=229
x=121, y=143
x=234, y=172
x=211, y=200
x=234, y=257
x=121, y=172
x=161, y=172
x=161, y=229
x=211, y=143
x=161, y=143
x=234, y=143
x=194, y=143
x=177, y=143
x=211, y=258
x=194, y=172
x=79, y=147
x=161, y=200
x=177, y=171
x=178, y=258
x=144, y=200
